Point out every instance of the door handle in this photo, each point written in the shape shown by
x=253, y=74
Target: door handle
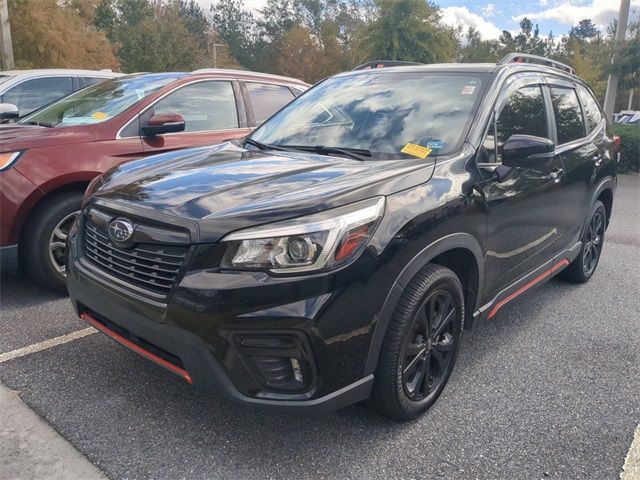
x=555, y=174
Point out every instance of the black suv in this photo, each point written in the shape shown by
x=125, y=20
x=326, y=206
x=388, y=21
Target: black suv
x=337, y=253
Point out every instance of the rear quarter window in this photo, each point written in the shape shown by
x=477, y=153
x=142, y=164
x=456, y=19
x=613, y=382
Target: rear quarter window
x=568, y=114
x=591, y=108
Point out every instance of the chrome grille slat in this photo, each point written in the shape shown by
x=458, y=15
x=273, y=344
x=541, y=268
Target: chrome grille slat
x=132, y=270
x=113, y=270
x=147, y=266
x=140, y=250
x=133, y=261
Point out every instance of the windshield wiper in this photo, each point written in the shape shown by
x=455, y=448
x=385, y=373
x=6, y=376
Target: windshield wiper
x=356, y=153
x=40, y=124
x=262, y=146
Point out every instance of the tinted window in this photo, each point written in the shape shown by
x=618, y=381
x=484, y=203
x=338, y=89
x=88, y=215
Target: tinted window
x=569, y=120
x=267, y=99
x=92, y=80
x=524, y=114
x=204, y=106
x=38, y=92
x=590, y=107
x=383, y=112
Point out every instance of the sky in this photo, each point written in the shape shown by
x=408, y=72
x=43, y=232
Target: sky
x=492, y=18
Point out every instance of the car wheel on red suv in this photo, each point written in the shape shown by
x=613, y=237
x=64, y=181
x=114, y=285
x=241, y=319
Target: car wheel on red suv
x=43, y=246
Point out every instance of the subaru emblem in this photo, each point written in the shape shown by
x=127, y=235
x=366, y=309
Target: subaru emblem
x=120, y=230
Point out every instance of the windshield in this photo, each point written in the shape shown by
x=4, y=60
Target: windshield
x=99, y=102
x=384, y=113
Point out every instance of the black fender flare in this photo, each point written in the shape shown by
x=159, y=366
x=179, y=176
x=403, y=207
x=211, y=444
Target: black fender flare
x=449, y=242
x=608, y=183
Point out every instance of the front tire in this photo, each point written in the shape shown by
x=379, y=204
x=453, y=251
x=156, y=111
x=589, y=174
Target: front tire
x=421, y=344
x=43, y=246
x=584, y=266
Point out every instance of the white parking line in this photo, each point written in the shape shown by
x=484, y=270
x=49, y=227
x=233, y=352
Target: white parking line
x=52, y=342
x=631, y=468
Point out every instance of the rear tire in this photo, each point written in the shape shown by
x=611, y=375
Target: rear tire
x=420, y=345
x=585, y=264
x=43, y=245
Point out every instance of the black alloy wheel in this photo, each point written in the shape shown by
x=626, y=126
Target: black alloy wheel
x=428, y=347
x=594, y=236
x=420, y=345
x=584, y=266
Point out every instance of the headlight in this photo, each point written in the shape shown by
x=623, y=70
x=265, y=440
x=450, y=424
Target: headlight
x=9, y=158
x=323, y=240
x=92, y=187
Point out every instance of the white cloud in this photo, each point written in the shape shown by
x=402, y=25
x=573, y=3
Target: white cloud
x=455, y=16
x=567, y=12
x=489, y=10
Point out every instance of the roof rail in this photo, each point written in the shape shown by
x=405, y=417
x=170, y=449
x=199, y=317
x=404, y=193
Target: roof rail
x=528, y=58
x=384, y=64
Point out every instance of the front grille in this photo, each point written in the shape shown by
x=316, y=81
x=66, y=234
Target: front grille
x=148, y=266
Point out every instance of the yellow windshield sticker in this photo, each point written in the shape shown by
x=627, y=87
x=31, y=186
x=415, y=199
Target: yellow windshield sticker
x=99, y=115
x=416, y=150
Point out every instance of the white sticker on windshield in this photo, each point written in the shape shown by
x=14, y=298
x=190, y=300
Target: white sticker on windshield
x=468, y=90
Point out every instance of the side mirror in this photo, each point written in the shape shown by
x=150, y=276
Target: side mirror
x=527, y=151
x=8, y=111
x=166, y=123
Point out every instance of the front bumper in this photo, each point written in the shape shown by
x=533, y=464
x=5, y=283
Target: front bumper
x=192, y=334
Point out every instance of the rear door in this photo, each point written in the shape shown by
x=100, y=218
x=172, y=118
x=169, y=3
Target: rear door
x=211, y=110
x=265, y=99
x=578, y=154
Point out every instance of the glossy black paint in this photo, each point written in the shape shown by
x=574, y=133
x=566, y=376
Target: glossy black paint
x=496, y=231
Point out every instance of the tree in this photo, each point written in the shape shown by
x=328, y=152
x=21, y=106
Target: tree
x=474, y=49
x=159, y=35
x=300, y=55
x=585, y=30
x=54, y=34
x=408, y=30
x=159, y=42
x=235, y=26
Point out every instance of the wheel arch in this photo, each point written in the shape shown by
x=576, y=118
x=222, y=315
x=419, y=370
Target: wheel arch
x=452, y=251
x=78, y=186
x=605, y=195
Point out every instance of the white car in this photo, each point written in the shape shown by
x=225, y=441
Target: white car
x=29, y=90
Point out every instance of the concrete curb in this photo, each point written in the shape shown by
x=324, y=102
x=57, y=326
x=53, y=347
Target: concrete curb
x=31, y=449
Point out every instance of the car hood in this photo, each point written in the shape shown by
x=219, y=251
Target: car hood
x=15, y=136
x=224, y=188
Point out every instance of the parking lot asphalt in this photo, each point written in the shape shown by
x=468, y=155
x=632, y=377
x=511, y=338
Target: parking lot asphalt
x=548, y=389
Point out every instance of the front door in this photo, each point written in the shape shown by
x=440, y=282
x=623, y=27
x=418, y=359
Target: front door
x=209, y=109
x=523, y=205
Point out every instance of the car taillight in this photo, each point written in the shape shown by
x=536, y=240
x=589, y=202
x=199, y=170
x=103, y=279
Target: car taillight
x=617, y=142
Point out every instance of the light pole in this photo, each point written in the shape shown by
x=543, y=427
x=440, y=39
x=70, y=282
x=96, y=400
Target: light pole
x=6, y=47
x=612, y=82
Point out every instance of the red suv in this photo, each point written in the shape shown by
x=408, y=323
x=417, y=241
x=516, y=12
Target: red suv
x=48, y=158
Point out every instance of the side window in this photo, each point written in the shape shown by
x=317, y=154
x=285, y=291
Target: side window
x=33, y=94
x=569, y=119
x=267, y=99
x=88, y=81
x=523, y=113
x=590, y=107
x=203, y=105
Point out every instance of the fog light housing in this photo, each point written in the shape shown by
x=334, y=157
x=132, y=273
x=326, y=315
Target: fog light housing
x=281, y=363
